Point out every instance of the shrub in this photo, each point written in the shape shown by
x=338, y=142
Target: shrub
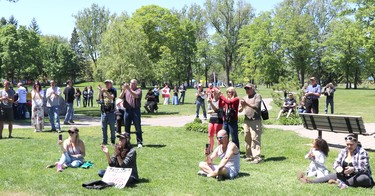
x=197, y=126
x=292, y=120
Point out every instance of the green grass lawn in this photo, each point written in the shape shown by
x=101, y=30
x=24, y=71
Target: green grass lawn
x=167, y=165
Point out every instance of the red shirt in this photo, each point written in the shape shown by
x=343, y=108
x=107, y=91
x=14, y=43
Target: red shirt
x=234, y=103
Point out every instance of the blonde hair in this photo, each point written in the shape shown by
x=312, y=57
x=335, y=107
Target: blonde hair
x=232, y=90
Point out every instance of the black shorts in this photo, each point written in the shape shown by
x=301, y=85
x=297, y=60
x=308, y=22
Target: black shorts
x=6, y=114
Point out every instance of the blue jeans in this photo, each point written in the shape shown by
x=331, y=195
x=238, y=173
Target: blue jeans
x=329, y=101
x=21, y=110
x=133, y=115
x=198, y=105
x=108, y=118
x=232, y=130
x=70, y=161
x=69, y=112
x=53, y=113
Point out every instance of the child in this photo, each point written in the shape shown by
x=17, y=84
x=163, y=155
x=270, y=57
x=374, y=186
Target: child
x=317, y=155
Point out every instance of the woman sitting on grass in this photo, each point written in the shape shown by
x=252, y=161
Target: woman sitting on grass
x=73, y=151
x=124, y=156
x=352, y=167
x=317, y=155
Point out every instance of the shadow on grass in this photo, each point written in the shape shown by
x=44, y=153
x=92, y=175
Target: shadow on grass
x=243, y=174
x=155, y=145
x=140, y=181
x=17, y=138
x=275, y=159
x=149, y=115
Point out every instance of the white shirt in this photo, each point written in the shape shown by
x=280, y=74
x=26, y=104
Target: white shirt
x=21, y=94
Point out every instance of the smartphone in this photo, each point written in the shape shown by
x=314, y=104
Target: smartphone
x=207, y=149
x=60, y=137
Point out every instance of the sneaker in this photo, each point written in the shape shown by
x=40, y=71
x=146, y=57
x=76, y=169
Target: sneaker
x=58, y=131
x=66, y=123
x=59, y=167
x=140, y=146
x=220, y=178
x=71, y=122
x=249, y=159
x=256, y=161
x=202, y=173
x=332, y=181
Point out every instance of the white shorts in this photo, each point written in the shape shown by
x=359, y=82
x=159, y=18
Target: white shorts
x=232, y=172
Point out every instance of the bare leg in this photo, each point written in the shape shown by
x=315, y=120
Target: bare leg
x=205, y=167
x=278, y=116
x=10, y=127
x=289, y=112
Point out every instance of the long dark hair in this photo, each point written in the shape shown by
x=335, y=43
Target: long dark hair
x=322, y=145
x=37, y=83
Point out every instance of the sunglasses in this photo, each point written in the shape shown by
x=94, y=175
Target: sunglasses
x=247, y=88
x=71, y=132
x=221, y=137
x=350, y=138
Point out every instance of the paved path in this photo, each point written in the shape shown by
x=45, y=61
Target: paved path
x=335, y=139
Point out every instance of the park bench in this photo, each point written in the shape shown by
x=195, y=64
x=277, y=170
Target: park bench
x=334, y=123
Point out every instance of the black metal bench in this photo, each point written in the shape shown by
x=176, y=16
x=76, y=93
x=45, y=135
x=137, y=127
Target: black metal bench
x=334, y=123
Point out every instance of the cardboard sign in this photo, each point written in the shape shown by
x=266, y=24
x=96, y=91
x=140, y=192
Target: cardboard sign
x=118, y=176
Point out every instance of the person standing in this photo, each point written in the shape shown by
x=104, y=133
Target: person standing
x=200, y=96
x=175, y=96
x=90, y=97
x=132, y=96
x=107, y=97
x=69, y=92
x=21, y=101
x=312, y=94
x=215, y=123
x=251, y=105
x=37, y=112
x=209, y=93
x=165, y=94
x=182, y=91
x=53, y=103
x=329, y=90
x=85, y=95
x=156, y=93
x=78, y=97
x=6, y=108
x=231, y=114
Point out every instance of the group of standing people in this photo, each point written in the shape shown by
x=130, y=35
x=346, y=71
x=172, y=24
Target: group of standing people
x=223, y=122
x=165, y=92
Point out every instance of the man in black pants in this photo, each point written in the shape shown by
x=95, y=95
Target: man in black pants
x=312, y=94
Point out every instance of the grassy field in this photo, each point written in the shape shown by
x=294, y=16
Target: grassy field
x=167, y=166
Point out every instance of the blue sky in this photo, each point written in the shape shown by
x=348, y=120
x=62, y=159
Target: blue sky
x=54, y=17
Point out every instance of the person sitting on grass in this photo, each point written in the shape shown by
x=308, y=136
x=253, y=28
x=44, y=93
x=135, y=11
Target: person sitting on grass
x=317, y=156
x=288, y=106
x=124, y=156
x=229, y=154
x=151, y=105
x=352, y=167
x=73, y=150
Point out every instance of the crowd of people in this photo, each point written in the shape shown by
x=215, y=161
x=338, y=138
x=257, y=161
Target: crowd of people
x=351, y=166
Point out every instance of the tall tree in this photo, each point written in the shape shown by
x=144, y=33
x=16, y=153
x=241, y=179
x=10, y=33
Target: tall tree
x=34, y=26
x=12, y=20
x=9, y=53
x=228, y=17
x=91, y=23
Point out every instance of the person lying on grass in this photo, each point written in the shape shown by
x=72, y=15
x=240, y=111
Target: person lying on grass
x=124, y=156
x=73, y=150
x=352, y=167
x=229, y=154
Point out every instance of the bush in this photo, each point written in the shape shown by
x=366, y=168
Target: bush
x=197, y=126
x=292, y=120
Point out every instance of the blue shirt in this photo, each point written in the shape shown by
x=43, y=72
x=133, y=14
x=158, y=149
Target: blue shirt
x=313, y=89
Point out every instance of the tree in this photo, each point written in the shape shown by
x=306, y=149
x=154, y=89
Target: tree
x=13, y=21
x=228, y=18
x=9, y=52
x=91, y=23
x=34, y=26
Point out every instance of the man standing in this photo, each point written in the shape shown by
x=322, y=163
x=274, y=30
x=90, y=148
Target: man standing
x=21, y=101
x=132, y=96
x=53, y=102
x=329, y=90
x=252, y=126
x=182, y=90
x=6, y=110
x=199, y=102
x=69, y=92
x=156, y=93
x=312, y=94
x=107, y=98
x=229, y=154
